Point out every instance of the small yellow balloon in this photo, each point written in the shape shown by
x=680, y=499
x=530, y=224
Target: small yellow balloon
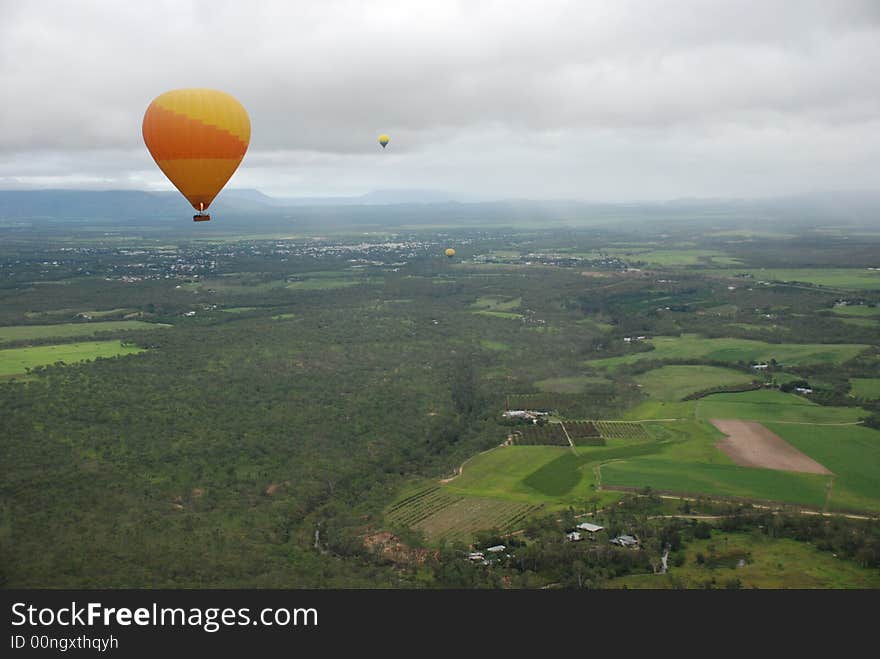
x=450, y=252
x=383, y=140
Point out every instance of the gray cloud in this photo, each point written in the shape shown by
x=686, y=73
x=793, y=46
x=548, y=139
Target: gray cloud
x=599, y=100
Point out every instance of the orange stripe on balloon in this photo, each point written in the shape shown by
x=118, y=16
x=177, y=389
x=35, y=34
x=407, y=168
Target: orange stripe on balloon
x=171, y=136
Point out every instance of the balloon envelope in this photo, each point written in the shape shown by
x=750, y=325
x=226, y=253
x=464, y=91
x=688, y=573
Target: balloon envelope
x=198, y=137
x=450, y=252
x=383, y=140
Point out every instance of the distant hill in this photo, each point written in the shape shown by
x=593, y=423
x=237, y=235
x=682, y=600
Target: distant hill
x=242, y=208
x=138, y=204
x=374, y=198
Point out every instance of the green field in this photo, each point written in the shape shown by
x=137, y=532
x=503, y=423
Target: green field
x=494, y=345
x=669, y=257
x=851, y=452
x=693, y=346
x=866, y=388
x=570, y=385
x=319, y=284
x=675, y=257
x=500, y=473
x=499, y=314
x=769, y=563
x=672, y=383
x=16, y=360
x=550, y=475
x=58, y=313
x=855, y=279
x=64, y=330
x=239, y=309
x=718, y=479
x=233, y=286
x=857, y=310
x=862, y=322
x=596, y=324
x=496, y=303
x=773, y=405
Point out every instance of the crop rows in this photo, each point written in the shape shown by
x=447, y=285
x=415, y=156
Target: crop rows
x=471, y=515
x=414, y=497
x=420, y=506
x=581, y=429
x=551, y=433
x=622, y=430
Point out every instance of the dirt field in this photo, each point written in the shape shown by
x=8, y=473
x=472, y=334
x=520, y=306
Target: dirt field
x=750, y=444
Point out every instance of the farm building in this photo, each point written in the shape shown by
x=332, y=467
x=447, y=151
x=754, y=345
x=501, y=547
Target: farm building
x=526, y=415
x=760, y=367
x=625, y=541
x=496, y=549
x=523, y=414
x=476, y=556
x=574, y=536
x=590, y=528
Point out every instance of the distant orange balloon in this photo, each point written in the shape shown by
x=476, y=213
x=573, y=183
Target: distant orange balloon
x=198, y=138
x=450, y=252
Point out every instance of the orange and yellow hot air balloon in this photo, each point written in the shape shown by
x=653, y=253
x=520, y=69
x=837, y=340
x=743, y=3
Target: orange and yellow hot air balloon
x=198, y=137
x=450, y=252
x=384, y=139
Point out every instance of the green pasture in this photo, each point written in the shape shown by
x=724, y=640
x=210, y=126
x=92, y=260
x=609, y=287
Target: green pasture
x=232, y=286
x=862, y=322
x=856, y=310
x=672, y=383
x=550, y=475
x=64, y=330
x=769, y=563
x=693, y=346
x=723, y=310
x=865, y=388
x=17, y=360
x=855, y=279
x=658, y=409
x=596, y=324
x=239, y=309
x=717, y=479
x=498, y=314
x=60, y=313
x=322, y=283
x=852, y=453
x=494, y=345
x=773, y=405
x=496, y=303
x=675, y=257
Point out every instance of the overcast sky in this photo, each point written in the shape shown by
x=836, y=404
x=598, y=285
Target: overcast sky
x=586, y=100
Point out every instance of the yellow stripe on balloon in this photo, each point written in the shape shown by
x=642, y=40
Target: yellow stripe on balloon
x=209, y=106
